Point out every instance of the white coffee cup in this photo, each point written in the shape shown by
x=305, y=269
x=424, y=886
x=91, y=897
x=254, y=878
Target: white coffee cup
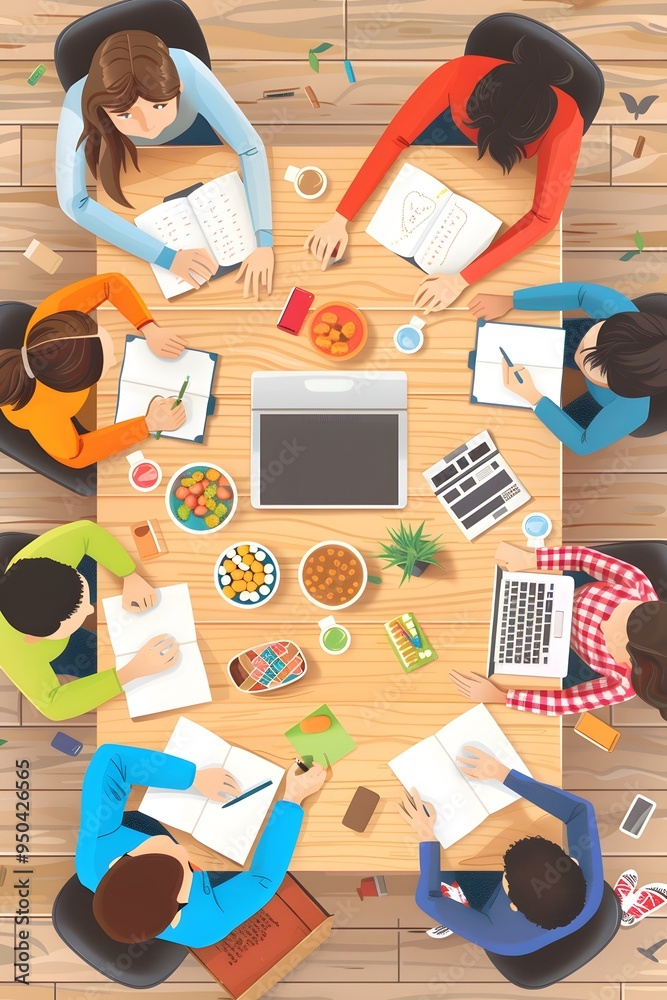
x=305, y=176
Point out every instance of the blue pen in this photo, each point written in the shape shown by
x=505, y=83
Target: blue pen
x=246, y=795
x=516, y=374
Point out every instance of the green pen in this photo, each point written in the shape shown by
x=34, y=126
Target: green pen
x=179, y=399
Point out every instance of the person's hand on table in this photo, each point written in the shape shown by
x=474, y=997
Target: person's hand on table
x=138, y=595
x=525, y=389
x=421, y=816
x=199, y=262
x=490, y=306
x=163, y=343
x=164, y=415
x=300, y=785
x=516, y=558
x=476, y=687
x=481, y=766
x=158, y=654
x=437, y=291
x=257, y=270
x=216, y=783
x=328, y=240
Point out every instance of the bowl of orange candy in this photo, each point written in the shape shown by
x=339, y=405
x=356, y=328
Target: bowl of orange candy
x=338, y=330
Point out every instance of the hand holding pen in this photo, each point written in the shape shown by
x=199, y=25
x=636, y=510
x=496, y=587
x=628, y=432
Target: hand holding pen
x=177, y=404
x=518, y=380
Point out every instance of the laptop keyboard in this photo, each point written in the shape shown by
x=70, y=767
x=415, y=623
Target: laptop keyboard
x=526, y=611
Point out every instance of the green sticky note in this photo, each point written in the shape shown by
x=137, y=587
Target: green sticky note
x=335, y=742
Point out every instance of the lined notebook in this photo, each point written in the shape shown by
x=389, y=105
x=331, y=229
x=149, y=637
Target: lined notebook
x=538, y=348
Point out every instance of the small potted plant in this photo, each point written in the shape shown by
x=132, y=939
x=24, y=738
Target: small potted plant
x=410, y=550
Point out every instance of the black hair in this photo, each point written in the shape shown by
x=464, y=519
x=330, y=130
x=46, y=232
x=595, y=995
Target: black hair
x=514, y=103
x=38, y=595
x=631, y=353
x=544, y=883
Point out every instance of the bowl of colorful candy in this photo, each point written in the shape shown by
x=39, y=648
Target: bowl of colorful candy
x=201, y=498
x=247, y=574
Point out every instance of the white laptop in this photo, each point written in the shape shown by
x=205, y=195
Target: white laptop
x=531, y=620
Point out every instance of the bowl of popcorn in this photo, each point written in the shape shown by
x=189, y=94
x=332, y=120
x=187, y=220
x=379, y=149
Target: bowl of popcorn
x=247, y=574
x=338, y=330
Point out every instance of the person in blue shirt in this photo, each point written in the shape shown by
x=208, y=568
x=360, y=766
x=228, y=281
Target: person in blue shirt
x=143, y=884
x=138, y=92
x=623, y=359
x=543, y=893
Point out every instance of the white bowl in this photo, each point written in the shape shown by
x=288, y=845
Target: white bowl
x=203, y=531
x=237, y=602
x=364, y=575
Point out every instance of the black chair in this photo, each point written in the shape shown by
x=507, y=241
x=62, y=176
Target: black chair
x=19, y=444
x=171, y=20
x=497, y=35
x=138, y=966
x=656, y=423
x=11, y=542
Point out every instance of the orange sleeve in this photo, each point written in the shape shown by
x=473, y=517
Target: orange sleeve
x=426, y=103
x=89, y=293
x=60, y=438
x=556, y=163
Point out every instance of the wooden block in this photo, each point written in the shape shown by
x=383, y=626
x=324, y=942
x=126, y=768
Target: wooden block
x=644, y=273
x=647, y=168
x=351, y=956
x=49, y=768
x=48, y=875
x=637, y=758
x=10, y=154
x=605, y=219
x=610, y=808
x=34, y=213
x=639, y=78
x=29, y=284
x=10, y=704
x=593, y=165
x=632, y=506
x=634, y=713
x=53, y=826
x=46, y=501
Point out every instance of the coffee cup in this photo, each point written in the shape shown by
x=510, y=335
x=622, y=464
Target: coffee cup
x=145, y=474
x=309, y=182
x=334, y=638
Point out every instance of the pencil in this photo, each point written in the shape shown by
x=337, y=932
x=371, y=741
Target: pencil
x=178, y=400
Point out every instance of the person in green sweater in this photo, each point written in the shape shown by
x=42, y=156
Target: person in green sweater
x=45, y=598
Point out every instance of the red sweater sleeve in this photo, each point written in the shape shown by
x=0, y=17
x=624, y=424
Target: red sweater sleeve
x=425, y=104
x=556, y=162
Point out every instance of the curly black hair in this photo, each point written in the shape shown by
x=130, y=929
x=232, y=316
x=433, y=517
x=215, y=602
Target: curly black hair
x=544, y=883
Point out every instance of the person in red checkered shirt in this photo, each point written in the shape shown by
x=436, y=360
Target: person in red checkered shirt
x=619, y=628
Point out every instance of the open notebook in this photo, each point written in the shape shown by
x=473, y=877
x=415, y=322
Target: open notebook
x=183, y=684
x=538, y=348
x=421, y=219
x=214, y=216
x=431, y=768
x=231, y=832
x=143, y=376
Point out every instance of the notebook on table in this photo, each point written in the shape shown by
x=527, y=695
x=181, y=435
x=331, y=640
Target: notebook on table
x=420, y=219
x=179, y=686
x=214, y=216
x=232, y=831
x=540, y=349
x=143, y=376
x=461, y=803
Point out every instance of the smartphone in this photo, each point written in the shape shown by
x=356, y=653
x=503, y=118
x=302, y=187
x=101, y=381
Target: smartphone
x=637, y=816
x=360, y=809
x=295, y=310
x=67, y=744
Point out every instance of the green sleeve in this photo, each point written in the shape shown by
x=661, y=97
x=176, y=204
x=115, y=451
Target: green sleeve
x=69, y=543
x=59, y=702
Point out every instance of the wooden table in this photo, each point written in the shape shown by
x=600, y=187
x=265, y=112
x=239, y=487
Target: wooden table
x=383, y=709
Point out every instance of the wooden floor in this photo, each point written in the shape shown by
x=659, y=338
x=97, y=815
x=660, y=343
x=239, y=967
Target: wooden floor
x=378, y=950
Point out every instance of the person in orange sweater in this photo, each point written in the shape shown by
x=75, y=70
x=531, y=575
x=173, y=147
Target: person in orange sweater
x=65, y=353
x=512, y=110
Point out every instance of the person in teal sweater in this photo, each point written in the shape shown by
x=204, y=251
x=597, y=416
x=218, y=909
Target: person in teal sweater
x=622, y=354
x=143, y=883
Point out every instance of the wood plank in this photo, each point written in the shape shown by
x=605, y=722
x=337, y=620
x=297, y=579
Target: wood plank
x=10, y=704
x=49, y=768
x=452, y=988
x=10, y=154
x=644, y=273
x=28, y=283
x=603, y=218
x=647, y=168
x=38, y=155
x=632, y=506
x=54, y=821
x=643, y=991
x=451, y=962
x=166, y=991
x=384, y=710
x=351, y=956
x=610, y=808
x=30, y=716
x=640, y=79
x=636, y=761
x=634, y=713
x=604, y=30
x=336, y=892
x=593, y=165
x=47, y=877
x=41, y=501
x=34, y=213
x=620, y=962
x=604, y=714
x=649, y=869
x=22, y=991
x=627, y=455
x=373, y=277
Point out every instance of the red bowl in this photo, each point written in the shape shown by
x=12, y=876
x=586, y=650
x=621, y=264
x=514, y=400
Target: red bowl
x=345, y=313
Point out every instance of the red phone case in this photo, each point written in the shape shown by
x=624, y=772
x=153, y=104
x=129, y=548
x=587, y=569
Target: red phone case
x=295, y=310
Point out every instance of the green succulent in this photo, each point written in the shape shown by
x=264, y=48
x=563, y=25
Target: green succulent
x=409, y=546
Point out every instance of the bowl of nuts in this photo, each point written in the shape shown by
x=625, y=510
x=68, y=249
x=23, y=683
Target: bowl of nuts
x=338, y=330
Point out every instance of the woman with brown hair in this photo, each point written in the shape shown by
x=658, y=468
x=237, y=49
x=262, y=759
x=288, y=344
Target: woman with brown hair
x=138, y=92
x=46, y=383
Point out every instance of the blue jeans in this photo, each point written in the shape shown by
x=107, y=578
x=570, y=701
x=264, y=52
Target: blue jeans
x=79, y=659
x=478, y=887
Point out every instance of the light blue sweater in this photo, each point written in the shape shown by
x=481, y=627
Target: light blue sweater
x=209, y=914
x=202, y=94
x=620, y=415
